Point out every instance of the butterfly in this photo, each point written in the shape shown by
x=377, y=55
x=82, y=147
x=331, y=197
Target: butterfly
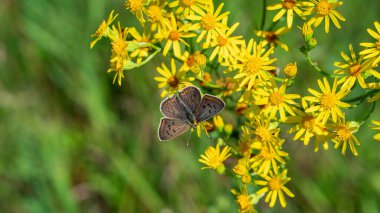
x=185, y=111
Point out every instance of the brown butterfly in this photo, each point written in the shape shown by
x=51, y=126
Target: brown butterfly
x=185, y=111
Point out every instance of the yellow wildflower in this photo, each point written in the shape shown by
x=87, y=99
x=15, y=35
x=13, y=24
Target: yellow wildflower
x=322, y=138
x=274, y=185
x=137, y=8
x=329, y=101
x=290, y=70
x=273, y=38
x=175, y=35
x=103, y=29
x=373, y=49
x=187, y=7
x=225, y=45
x=276, y=99
x=307, y=126
x=376, y=127
x=353, y=68
x=267, y=159
x=172, y=81
x=254, y=63
x=265, y=132
x=141, y=52
x=288, y=7
x=195, y=63
x=244, y=201
x=209, y=23
x=157, y=16
x=343, y=135
x=119, y=56
x=324, y=9
x=213, y=158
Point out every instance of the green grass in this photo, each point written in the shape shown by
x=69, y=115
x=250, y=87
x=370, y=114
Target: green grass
x=73, y=142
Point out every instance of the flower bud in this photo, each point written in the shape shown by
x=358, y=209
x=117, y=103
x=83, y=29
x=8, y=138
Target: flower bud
x=311, y=43
x=307, y=31
x=291, y=70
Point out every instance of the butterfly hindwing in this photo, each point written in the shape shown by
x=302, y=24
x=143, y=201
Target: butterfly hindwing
x=171, y=108
x=210, y=106
x=170, y=128
x=191, y=97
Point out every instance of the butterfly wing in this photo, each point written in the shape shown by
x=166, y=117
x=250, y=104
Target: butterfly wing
x=209, y=106
x=191, y=97
x=170, y=128
x=171, y=108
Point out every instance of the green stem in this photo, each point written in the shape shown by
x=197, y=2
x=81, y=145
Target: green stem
x=316, y=67
x=370, y=112
x=264, y=14
x=362, y=97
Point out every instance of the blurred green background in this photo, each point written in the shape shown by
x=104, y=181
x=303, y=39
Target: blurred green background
x=73, y=142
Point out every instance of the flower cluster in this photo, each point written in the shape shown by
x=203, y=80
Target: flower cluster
x=205, y=50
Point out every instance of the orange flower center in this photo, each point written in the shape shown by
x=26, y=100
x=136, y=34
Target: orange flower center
x=208, y=22
x=174, y=35
x=308, y=122
x=190, y=61
x=263, y=133
x=343, y=133
x=271, y=37
x=253, y=65
x=221, y=40
x=274, y=184
x=187, y=3
x=289, y=4
x=355, y=69
x=134, y=5
x=155, y=13
x=328, y=101
x=276, y=98
x=173, y=82
x=378, y=44
x=323, y=8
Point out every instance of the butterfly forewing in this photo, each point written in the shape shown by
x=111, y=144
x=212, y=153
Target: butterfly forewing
x=171, y=108
x=209, y=106
x=191, y=97
x=171, y=128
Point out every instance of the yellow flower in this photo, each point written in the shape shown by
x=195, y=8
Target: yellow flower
x=209, y=23
x=175, y=35
x=328, y=102
x=267, y=159
x=141, y=52
x=196, y=63
x=273, y=38
x=242, y=167
x=119, y=53
x=274, y=185
x=376, y=127
x=307, y=126
x=157, y=16
x=265, y=132
x=103, y=29
x=213, y=158
x=324, y=9
x=225, y=45
x=288, y=7
x=137, y=8
x=244, y=201
x=187, y=7
x=322, y=138
x=307, y=31
x=373, y=49
x=172, y=81
x=276, y=99
x=343, y=135
x=254, y=63
x=353, y=68
x=290, y=70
